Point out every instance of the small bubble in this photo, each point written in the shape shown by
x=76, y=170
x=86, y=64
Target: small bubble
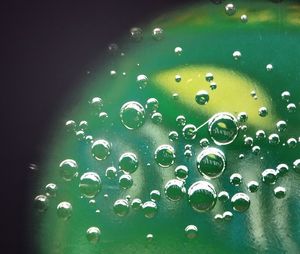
x=132, y=115
x=96, y=104
x=93, y=235
x=209, y=77
x=213, y=85
x=125, y=181
x=80, y=135
x=218, y=217
x=175, y=190
x=178, y=51
x=68, y=169
x=285, y=96
x=269, y=67
x=101, y=149
x=223, y=196
x=113, y=73
x=111, y=172
x=149, y=237
x=281, y=126
x=248, y=141
x=269, y=176
x=150, y=209
x=51, y=189
x=121, y=207
x=279, y=192
x=128, y=162
x=181, y=172
x=113, y=48
x=204, y=142
x=64, y=210
x=136, y=203
x=175, y=96
x=142, y=81
x=173, y=135
x=256, y=150
x=41, y=203
x=152, y=105
x=260, y=134
x=241, y=156
x=181, y=121
x=189, y=132
x=274, y=139
x=291, y=108
x=230, y=9
x=188, y=153
x=236, y=55
x=236, y=179
x=252, y=186
x=156, y=118
x=263, y=112
x=103, y=116
x=282, y=169
x=227, y=215
x=202, y=97
x=70, y=125
x=244, y=18
x=165, y=156
x=191, y=231
x=242, y=117
x=136, y=34
x=155, y=195
x=292, y=142
x=240, y=202
x=158, y=34
x=177, y=78
x=296, y=165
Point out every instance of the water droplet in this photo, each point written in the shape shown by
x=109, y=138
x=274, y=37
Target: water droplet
x=211, y=162
x=150, y=209
x=230, y=9
x=125, y=181
x=191, y=231
x=236, y=55
x=158, y=34
x=292, y=142
x=128, y=162
x=41, y=203
x=269, y=176
x=269, y=67
x=70, y=125
x=181, y=121
x=136, y=203
x=181, y=172
x=223, y=128
x=202, y=196
x=296, y=165
x=90, y=184
x=263, y=111
x=279, y=192
x=291, y=108
x=252, y=186
x=155, y=195
x=209, y=77
x=111, y=172
x=51, y=189
x=68, y=169
x=142, y=81
x=281, y=126
x=152, y=105
x=165, y=156
x=240, y=202
x=132, y=115
x=93, y=235
x=177, y=78
x=236, y=179
x=202, y=97
x=244, y=18
x=189, y=131
x=175, y=190
x=223, y=196
x=121, y=207
x=156, y=118
x=178, y=51
x=274, y=139
x=64, y=210
x=101, y=149
x=136, y=34
x=173, y=136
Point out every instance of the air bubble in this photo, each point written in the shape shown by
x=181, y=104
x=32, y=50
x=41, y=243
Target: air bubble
x=296, y=165
x=213, y=85
x=156, y=118
x=240, y=202
x=242, y=117
x=269, y=176
x=281, y=126
x=111, y=172
x=191, y=231
x=269, y=67
x=274, y=139
x=189, y=132
x=263, y=112
x=64, y=210
x=236, y=179
x=165, y=156
x=136, y=34
x=181, y=121
x=291, y=108
x=175, y=190
x=285, y=96
x=121, y=207
x=41, y=203
x=51, y=189
x=155, y=195
x=223, y=196
x=150, y=209
x=178, y=51
x=96, y=104
x=68, y=169
x=292, y=142
x=93, y=235
x=282, y=169
x=260, y=134
x=128, y=162
x=204, y=142
x=177, y=78
x=279, y=192
x=230, y=9
x=181, y=172
x=256, y=150
x=202, y=97
x=101, y=149
x=125, y=181
x=103, y=116
x=90, y=184
x=158, y=34
x=173, y=135
x=209, y=77
x=244, y=18
x=136, y=203
x=252, y=186
x=227, y=215
x=152, y=105
x=70, y=125
x=132, y=115
x=142, y=81
x=236, y=55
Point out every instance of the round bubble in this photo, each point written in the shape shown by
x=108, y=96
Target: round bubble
x=191, y=231
x=68, y=169
x=149, y=209
x=93, y=235
x=240, y=202
x=90, y=184
x=165, y=156
x=101, y=149
x=64, y=210
x=175, y=190
x=41, y=203
x=181, y=172
x=121, y=207
x=128, y=162
x=202, y=97
x=125, y=181
x=132, y=115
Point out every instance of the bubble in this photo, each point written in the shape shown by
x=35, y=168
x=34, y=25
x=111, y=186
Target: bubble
x=189, y=131
x=181, y=121
x=292, y=142
x=111, y=172
x=70, y=125
x=281, y=126
x=227, y=215
x=128, y=162
x=125, y=181
x=285, y=96
x=51, y=189
x=202, y=97
x=243, y=128
x=96, y=104
x=211, y=162
x=269, y=67
x=256, y=150
x=282, y=169
x=101, y=149
x=213, y=85
x=181, y=172
x=236, y=179
x=177, y=78
x=209, y=77
x=291, y=108
x=188, y=153
x=204, y=142
x=155, y=195
x=244, y=18
x=156, y=118
x=152, y=105
x=240, y=202
x=223, y=128
x=269, y=176
x=191, y=231
x=121, y=207
x=68, y=169
x=113, y=73
x=83, y=125
x=113, y=48
x=242, y=117
x=150, y=209
x=149, y=237
x=202, y=196
x=263, y=112
x=223, y=196
x=132, y=115
x=93, y=235
x=136, y=203
x=80, y=135
x=103, y=116
x=64, y=210
x=178, y=51
x=175, y=190
x=175, y=96
x=41, y=203
x=241, y=156
x=296, y=165
x=136, y=34
x=236, y=55
x=260, y=134
x=165, y=156
x=158, y=34
x=218, y=217
x=142, y=81
x=279, y=192
x=248, y=141
x=274, y=139
x=252, y=186
x=89, y=139
x=173, y=135
x=230, y=9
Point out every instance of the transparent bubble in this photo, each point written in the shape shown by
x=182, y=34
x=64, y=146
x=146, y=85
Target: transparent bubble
x=177, y=78
x=241, y=156
x=125, y=181
x=236, y=55
x=121, y=207
x=213, y=85
x=178, y=51
x=89, y=139
x=242, y=117
x=41, y=203
x=142, y=81
x=263, y=112
x=274, y=139
x=149, y=209
x=51, y=189
x=269, y=67
x=282, y=169
x=296, y=165
x=292, y=142
x=96, y=104
x=291, y=108
x=165, y=156
x=260, y=134
x=93, y=235
x=136, y=203
x=209, y=77
x=128, y=162
x=70, y=125
x=181, y=172
x=152, y=105
x=240, y=202
x=175, y=96
x=236, y=179
x=103, y=116
x=285, y=96
x=101, y=149
x=244, y=18
x=191, y=231
x=113, y=73
x=189, y=131
x=68, y=169
x=243, y=128
x=188, y=147
x=202, y=196
x=211, y=162
x=111, y=172
x=173, y=135
x=132, y=115
x=64, y=210
x=155, y=195
x=218, y=217
x=202, y=97
x=281, y=125
x=156, y=118
x=181, y=121
x=256, y=150
x=227, y=215
x=80, y=135
x=175, y=190
x=188, y=153
x=223, y=128
x=149, y=237
x=136, y=34
x=158, y=33
x=269, y=176
x=279, y=192
x=223, y=196
x=83, y=125
x=204, y=142
x=252, y=186
x=90, y=184
x=113, y=48
x=230, y=9
x=248, y=141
